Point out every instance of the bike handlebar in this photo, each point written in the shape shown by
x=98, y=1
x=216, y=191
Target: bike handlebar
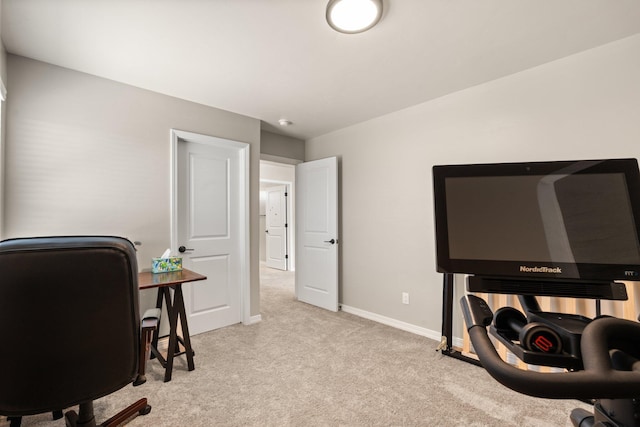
x=598, y=379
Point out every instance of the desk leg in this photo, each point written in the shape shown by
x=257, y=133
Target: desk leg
x=175, y=311
x=156, y=332
x=178, y=302
x=172, y=314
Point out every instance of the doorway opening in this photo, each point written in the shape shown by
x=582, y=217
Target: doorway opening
x=277, y=223
x=277, y=215
x=316, y=207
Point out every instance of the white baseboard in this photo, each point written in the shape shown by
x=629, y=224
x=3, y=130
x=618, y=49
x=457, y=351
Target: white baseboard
x=254, y=319
x=418, y=330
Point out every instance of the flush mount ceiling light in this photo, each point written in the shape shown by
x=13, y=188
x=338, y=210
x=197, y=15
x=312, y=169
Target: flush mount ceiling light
x=353, y=16
x=285, y=122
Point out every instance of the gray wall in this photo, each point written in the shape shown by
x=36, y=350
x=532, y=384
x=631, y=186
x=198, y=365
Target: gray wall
x=583, y=106
x=277, y=145
x=90, y=155
x=3, y=54
x=3, y=77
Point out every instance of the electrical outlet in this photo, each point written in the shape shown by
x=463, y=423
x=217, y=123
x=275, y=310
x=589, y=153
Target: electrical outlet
x=405, y=298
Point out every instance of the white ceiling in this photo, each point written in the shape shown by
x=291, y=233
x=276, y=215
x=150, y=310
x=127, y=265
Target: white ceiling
x=273, y=59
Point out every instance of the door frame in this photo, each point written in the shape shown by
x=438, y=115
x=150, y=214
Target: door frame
x=243, y=149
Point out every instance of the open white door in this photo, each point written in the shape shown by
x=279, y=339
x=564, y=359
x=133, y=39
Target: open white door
x=317, y=233
x=276, y=227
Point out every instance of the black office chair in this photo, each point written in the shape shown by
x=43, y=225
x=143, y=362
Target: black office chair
x=70, y=326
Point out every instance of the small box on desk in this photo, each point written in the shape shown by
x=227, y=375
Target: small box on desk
x=164, y=265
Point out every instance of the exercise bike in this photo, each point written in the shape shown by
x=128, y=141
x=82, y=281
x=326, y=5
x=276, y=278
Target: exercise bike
x=555, y=228
x=600, y=357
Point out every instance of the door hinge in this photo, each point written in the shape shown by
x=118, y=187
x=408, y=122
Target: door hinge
x=286, y=194
x=286, y=257
x=286, y=225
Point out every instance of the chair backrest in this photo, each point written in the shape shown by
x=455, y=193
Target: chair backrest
x=69, y=321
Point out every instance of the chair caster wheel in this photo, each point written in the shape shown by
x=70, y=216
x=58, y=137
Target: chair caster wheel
x=145, y=410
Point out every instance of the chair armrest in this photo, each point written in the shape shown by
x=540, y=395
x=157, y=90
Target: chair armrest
x=150, y=322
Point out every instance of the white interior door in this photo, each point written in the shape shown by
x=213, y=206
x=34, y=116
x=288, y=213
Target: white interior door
x=276, y=227
x=317, y=233
x=209, y=228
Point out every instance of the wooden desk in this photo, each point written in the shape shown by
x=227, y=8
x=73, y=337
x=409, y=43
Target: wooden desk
x=175, y=309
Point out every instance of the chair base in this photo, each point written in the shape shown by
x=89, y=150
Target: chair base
x=85, y=417
x=17, y=421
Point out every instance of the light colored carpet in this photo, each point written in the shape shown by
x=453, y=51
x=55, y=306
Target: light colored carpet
x=303, y=366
